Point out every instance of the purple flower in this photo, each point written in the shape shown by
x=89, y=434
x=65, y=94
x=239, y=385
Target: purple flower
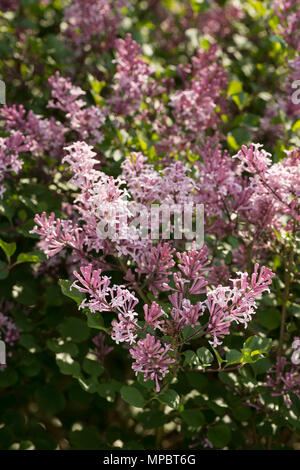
x=151, y=359
x=236, y=304
x=284, y=378
x=153, y=315
x=101, y=349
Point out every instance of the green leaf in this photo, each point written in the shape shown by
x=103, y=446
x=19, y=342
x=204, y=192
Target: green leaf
x=194, y=418
x=86, y=439
x=92, y=367
x=261, y=366
x=31, y=257
x=191, y=359
x=270, y=318
x=72, y=293
x=256, y=343
x=254, y=348
x=8, y=248
x=170, y=398
x=219, y=359
x=241, y=412
x=188, y=331
x=4, y=272
x=234, y=242
x=26, y=445
x=67, y=365
x=29, y=342
x=296, y=126
x=199, y=5
x=241, y=135
x=197, y=380
x=26, y=293
x=90, y=384
x=234, y=357
x=232, y=142
x=152, y=419
x=95, y=320
x=228, y=258
x=205, y=356
x=61, y=346
x=108, y=389
x=30, y=365
x=8, y=377
x=234, y=88
x=50, y=399
x=226, y=379
x=147, y=384
x=219, y=435
x=133, y=396
x=75, y=329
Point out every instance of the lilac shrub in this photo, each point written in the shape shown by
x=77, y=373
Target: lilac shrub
x=150, y=221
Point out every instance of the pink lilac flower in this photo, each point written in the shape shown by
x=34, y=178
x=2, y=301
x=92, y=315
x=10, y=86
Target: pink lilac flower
x=101, y=349
x=197, y=106
x=218, y=21
x=104, y=297
x=124, y=330
x=85, y=120
x=172, y=185
x=288, y=12
x=154, y=315
x=8, y=5
x=192, y=264
x=156, y=265
x=92, y=282
x=291, y=107
x=151, y=359
x=281, y=184
x=218, y=275
x=253, y=159
x=184, y=313
x=94, y=23
x=188, y=281
x=131, y=79
x=9, y=333
x=219, y=187
x=237, y=303
x=57, y=234
x=81, y=159
x=41, y=135
x=284, y=378
x=10, y=147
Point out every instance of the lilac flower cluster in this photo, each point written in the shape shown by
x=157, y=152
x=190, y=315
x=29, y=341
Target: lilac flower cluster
x=41, y=134
x=284, y=378
x=237, y=304
x=86, y=121
x=9, y=332
x=151, y=353
x=288, y=12
x=131, y=81
x=10, y=147
x=254, y=194
x=101, y=349
x=98, y=194
x=94, y=23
